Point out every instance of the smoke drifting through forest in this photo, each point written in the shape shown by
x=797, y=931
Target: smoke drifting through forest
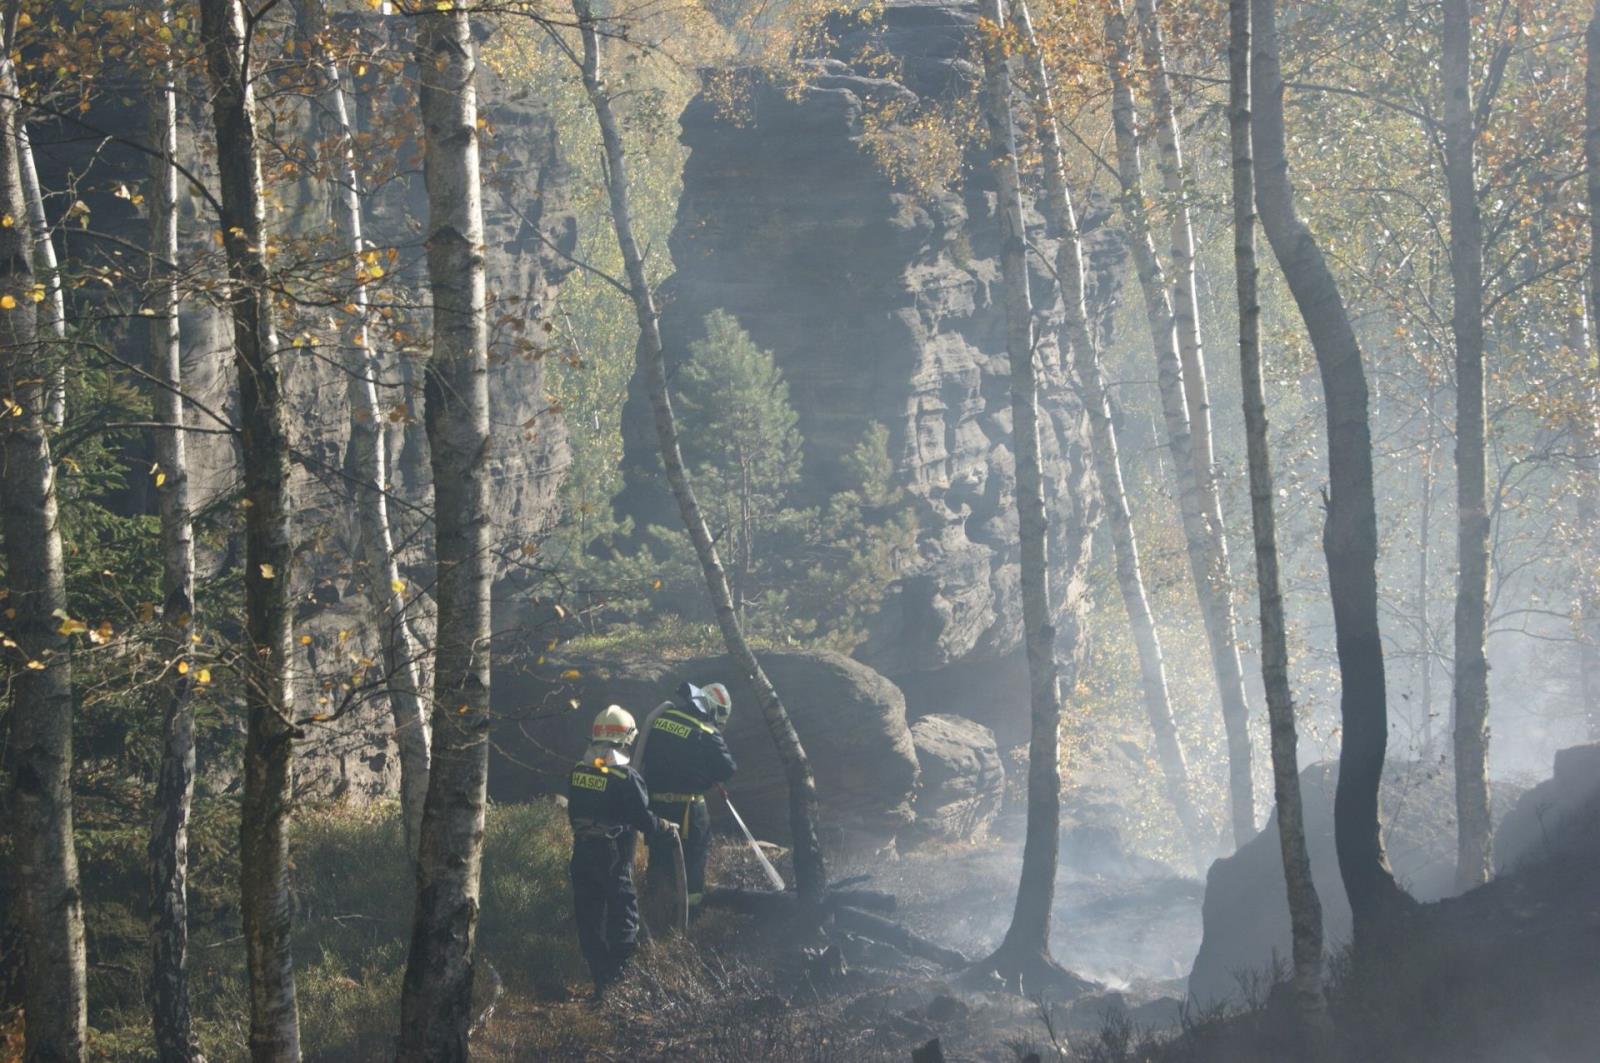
x=386, y=388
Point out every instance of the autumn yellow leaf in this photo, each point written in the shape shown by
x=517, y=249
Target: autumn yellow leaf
x=183, y=667
x=203, y=676
x=36, y=666
x=8, y=301
x=305, y=640
x=397, y=585
x=571, y=674
x=69, y=626
x=268, y=572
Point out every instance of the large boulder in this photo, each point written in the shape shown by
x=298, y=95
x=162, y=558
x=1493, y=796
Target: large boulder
x=1246, y=911
x=1538, y=825
x=963, y=779
x=851, y=720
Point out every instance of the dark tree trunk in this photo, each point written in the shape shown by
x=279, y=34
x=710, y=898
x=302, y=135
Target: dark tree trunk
x=1305, y=908
x=265, y=903
x=39, y=797
x=169, y=834
x=810, y=871
x=1471, y=729
x=436, y=1002
x=1024, y=954
x=1350, y=531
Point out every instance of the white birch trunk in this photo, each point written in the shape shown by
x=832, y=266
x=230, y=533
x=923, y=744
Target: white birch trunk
x=1474, y=861
x=436, y=1001
x=1079, y=355
x=39, y=797
x=169, y=834
x=1174, y=323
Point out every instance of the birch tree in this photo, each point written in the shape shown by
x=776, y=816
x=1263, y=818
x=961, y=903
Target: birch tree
x=265, y=903
x=53, y=310
x=1305, y=907
x=39, y=797
x=436, y=999
x=810, y=871
x=1023, y=957
x=169, y=835
x=1471, y=699
x=366, y=458
x=1589, y=648
x=1350, y=530
x=1079, y=354
x=1172, y=317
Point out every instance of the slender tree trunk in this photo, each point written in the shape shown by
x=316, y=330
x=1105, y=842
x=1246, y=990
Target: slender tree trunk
x=1305, y=908
x=169, y=835
x=1024, y=954
x=1473, y=825
x=1222, y=630
x=365, y=459
x=265, y=902
x=810, y=871
x=435, y=1006
x=1350, y=532
x=39, y=801
x=1589, y=636
x=1078, y=351
x=1424, y=603
x=53, y=311
x=1197, y=498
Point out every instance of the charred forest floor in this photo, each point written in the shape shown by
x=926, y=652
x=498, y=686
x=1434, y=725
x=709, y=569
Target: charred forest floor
x=1508, y=973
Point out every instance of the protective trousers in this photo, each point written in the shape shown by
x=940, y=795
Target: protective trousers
x=605, y=904
x=694, y=828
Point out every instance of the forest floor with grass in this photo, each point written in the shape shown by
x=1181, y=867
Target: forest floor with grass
x=1508, y=972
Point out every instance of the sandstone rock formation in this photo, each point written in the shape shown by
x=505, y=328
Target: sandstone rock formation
x=881, y=304
x=963, y=779
x=850, y=719
x=1538, y=825
x=1246, y=914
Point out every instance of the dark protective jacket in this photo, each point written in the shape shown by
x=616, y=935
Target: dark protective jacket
x=687, y=755
x=605, y=797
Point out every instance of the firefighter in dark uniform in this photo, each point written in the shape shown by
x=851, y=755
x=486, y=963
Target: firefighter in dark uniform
x=687, y=757
x=607, y=804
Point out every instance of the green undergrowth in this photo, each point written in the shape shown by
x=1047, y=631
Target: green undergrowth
x=353, y=896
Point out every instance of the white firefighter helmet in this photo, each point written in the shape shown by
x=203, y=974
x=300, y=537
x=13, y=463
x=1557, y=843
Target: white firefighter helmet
x=614, y=727
x=720, y=702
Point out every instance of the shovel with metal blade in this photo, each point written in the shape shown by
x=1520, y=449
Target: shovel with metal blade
x=761, y=857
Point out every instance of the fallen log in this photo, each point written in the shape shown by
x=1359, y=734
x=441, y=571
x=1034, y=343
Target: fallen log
x=848, y=911
x=890, y=933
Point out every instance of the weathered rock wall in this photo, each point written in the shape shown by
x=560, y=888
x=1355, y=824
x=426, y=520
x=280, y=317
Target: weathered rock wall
x=880, y=304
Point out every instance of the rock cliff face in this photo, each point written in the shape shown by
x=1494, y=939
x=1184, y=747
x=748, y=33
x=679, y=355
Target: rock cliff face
x=880, y=304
